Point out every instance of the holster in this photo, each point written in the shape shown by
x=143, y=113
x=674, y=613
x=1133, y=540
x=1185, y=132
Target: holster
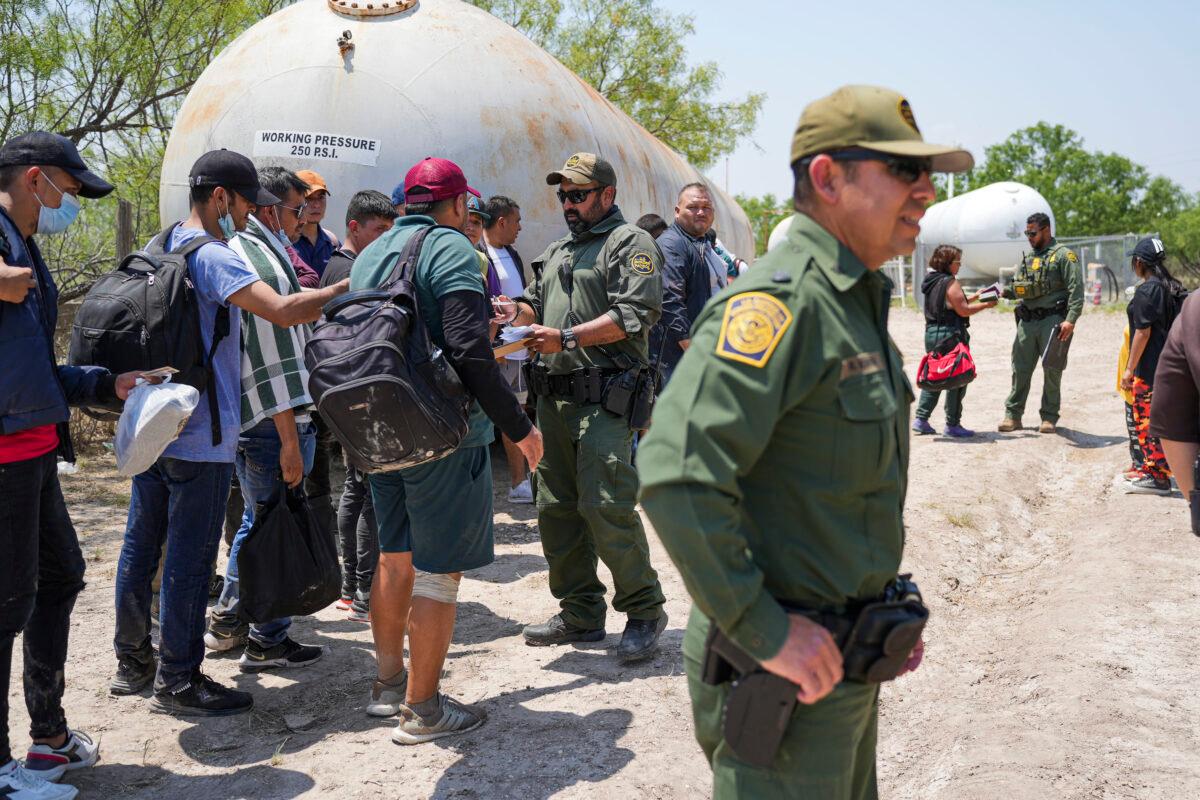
x=630, y=394
x=875, y=639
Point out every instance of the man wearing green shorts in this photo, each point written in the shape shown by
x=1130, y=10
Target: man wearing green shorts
x=435, y=519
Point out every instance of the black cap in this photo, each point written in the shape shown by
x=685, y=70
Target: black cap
x=44, y=149
x=1149, y=250
x=232, y=171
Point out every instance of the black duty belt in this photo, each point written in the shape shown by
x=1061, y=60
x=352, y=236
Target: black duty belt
x=1026, y=314
x=580, y=386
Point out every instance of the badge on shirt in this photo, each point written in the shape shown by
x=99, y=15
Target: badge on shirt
x=754, y=323
x=641, y=264
x=1036, y=264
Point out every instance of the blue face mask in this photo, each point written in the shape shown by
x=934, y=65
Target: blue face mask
x=57, y=220
x=283, y=239
x=225, y=223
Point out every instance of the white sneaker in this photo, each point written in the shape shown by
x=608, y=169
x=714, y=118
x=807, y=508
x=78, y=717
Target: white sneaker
x=49, y=763
x=18, y=783
x=522, y=493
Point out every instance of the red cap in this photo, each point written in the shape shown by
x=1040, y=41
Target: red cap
x=434, y=179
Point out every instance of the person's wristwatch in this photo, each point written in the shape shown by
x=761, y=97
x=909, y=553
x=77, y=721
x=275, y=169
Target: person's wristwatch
x=569, y=342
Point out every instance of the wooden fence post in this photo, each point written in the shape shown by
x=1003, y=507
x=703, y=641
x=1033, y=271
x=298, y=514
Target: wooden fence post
x=124, y=229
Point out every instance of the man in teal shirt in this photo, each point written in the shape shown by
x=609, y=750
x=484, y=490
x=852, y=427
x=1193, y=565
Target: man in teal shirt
x=435, y=519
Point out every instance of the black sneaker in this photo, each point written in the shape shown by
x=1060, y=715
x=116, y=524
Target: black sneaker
x=201, y=696
x=557, y=630
x=222, y=636
x=132, y=676
x=1148, y=485
x=640, y=639
x=285, y=654
x=360, y=610
x=216, y=585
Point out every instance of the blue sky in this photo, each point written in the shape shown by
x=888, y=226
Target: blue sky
x=1123, y=75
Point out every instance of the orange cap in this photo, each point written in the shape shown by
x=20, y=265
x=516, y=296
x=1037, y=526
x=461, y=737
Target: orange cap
x=315, y=182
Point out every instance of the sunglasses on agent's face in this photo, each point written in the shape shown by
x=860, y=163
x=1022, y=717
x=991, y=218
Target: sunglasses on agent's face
x=576, y=196
x=1033, y=233
x=907, y=169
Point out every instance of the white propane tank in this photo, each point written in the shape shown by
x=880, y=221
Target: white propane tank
x=779, y=232
x=414, y=79
x=988, y=224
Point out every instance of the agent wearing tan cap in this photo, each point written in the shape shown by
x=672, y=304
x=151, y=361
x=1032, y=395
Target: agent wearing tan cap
x=776, y=467
x=597, y=295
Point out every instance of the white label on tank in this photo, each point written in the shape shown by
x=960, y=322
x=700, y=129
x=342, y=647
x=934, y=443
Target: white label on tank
x=310, y=144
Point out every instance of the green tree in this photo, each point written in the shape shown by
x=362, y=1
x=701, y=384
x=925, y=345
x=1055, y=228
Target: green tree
x=764, y=213
x=110, y=75
x=633, y=53
x=1092, y=193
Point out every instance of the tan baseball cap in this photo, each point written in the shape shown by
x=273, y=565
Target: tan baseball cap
x=584, y=168
x=873, y=118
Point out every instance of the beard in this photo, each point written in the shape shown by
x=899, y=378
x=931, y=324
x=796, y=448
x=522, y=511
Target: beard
x=576, y=223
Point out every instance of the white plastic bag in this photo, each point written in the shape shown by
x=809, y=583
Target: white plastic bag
x=154, y=417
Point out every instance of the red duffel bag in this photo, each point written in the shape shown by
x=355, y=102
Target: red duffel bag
x=947, y=366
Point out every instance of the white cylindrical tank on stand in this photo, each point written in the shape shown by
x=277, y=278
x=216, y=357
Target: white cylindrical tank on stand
x=434, y=77
x=987, y=223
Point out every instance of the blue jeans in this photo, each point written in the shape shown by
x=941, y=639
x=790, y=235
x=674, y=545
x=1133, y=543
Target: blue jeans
x=181, y=503
x=259, y=474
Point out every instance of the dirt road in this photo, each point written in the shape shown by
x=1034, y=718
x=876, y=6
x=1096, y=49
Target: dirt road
x=1061, y=656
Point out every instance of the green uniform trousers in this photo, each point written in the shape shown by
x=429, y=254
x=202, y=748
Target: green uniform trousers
x=1032, y=337
x=954, y=397
x=828, y=752
x=587, y=489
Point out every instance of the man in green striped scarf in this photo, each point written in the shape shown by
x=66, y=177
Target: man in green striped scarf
x=278, y=439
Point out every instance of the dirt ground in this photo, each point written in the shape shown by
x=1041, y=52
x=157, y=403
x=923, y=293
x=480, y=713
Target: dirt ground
x=1060, y=659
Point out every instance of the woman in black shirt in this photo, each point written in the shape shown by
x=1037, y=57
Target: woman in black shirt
x=1151, y=312
x=946, y=310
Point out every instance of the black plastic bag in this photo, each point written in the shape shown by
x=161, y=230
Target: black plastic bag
x=286, y=566
x=1055, y=355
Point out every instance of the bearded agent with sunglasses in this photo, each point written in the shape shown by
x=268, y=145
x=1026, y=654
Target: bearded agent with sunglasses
x=591, y=308
x=776, y=469
x=1049, y=287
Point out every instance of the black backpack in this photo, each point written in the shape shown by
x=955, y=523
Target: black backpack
x=389, y=396
x=144, y=315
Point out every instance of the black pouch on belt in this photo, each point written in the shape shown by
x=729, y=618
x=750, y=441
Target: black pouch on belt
x=884, y=634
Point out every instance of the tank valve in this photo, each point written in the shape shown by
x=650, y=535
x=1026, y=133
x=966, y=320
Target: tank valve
x=344, y=44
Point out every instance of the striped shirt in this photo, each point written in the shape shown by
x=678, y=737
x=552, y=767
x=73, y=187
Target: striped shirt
x=274, y=377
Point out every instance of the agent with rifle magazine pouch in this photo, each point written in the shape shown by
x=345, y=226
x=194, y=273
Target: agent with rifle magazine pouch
x=875, y=639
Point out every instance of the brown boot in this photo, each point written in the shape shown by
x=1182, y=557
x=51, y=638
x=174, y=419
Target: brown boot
x=1009, y=425
x=1046, y=427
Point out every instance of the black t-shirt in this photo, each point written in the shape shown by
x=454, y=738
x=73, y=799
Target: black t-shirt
x=1151, y=307
x=337, y=268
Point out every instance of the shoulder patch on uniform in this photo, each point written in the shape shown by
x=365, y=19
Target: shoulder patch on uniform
x=1071, y=256
x=642, y=264
x=753, y=324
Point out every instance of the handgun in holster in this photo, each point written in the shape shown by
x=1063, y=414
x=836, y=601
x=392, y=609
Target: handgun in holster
x=875, y=639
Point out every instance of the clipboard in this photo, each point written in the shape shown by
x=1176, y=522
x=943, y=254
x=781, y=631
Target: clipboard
x=512, y=347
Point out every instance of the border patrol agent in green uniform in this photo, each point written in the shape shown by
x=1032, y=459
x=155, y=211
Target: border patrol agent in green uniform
x=775, y=470
x=598, y=293
x=1050, y=290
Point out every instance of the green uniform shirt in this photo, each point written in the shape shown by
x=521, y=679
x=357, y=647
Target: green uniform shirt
x=776, y=464
x=1047, y=277
x=448, y=263
x=616, y=269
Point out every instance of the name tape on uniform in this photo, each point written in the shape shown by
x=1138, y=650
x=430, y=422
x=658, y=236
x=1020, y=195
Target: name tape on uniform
x=311, y=144
x=754, y=323
x=862, y=364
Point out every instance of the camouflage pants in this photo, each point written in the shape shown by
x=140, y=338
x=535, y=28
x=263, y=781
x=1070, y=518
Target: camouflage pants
x=1154, y=461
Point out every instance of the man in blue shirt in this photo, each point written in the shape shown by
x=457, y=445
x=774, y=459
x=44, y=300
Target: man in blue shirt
x=181, y=499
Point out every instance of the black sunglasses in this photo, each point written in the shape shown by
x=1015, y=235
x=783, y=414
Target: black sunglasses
x=907, y=169
x=1031, y=234
x=576, y=196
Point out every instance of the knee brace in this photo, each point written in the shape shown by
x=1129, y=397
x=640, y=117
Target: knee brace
x=439, y=588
